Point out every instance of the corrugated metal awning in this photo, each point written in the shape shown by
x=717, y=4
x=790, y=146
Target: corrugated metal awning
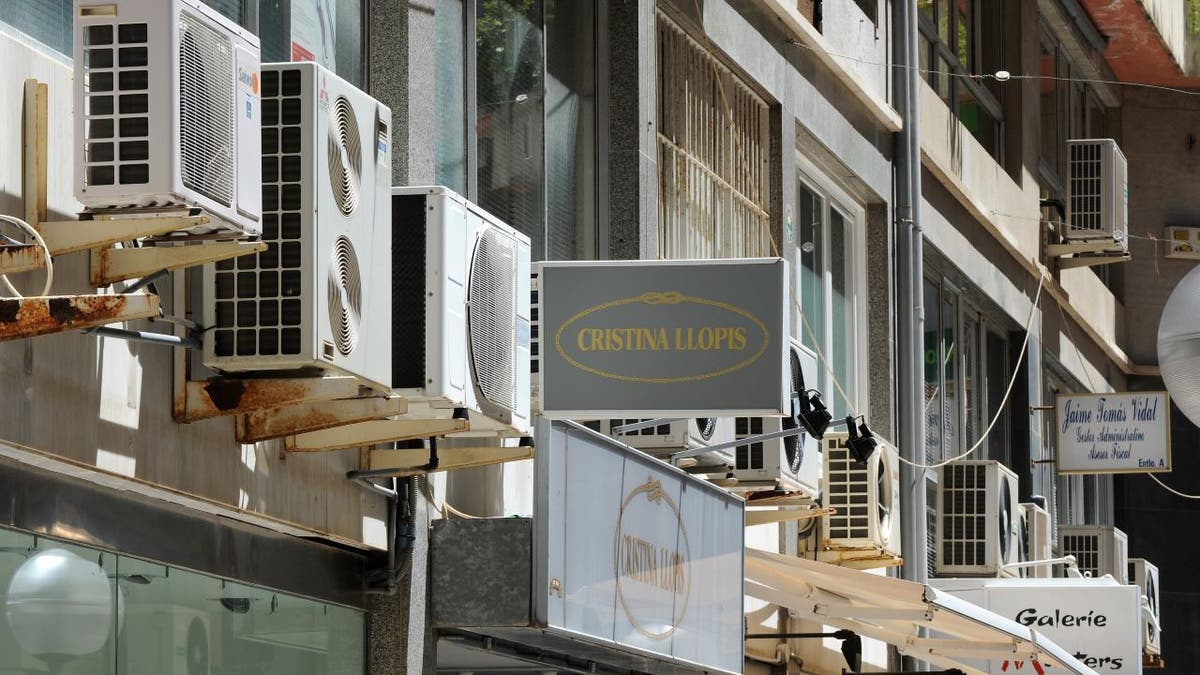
x=895, y=611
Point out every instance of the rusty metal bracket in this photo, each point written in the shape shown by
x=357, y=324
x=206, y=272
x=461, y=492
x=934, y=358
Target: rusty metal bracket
x=27, y=317
x=221, y=396
x=375, y=432
x=413, y=461
x=34, y=157
x=264, y=425
x=764, y=517
x=17, y=258
x=109, y=265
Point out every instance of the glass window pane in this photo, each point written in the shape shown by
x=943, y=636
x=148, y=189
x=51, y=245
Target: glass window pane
x=47, y=21
x=276, y=45
x=1049, y=105
x=509, y=87
x=349, y=44
x=841, y=313
x=812, y=287
x=451, y=151
x=943, y=21
x=570, y=129
x=951, y=360
x=964, y=38
x=933, y=387
x=972, y=394
x=997, y=380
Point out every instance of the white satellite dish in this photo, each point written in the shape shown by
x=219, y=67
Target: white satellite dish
x=1179, y=345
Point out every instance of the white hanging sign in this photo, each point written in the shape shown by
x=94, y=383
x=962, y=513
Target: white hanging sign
x=1114, y=433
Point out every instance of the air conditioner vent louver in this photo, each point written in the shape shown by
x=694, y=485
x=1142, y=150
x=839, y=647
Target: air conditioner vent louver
x=491, y=317
x=978, y=523
x=344, y=295
x=1098, y=549
x=345, y=155
x=964, y=514
x=205, y=110
x=117, y=105
x=846, y=489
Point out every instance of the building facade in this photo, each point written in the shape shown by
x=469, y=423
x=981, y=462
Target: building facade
x=909, y=160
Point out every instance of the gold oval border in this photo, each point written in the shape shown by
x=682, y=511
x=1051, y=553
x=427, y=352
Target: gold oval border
x=659, y=298
x=654, y=492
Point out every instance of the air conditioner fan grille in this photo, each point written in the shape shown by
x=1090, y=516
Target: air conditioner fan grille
x=344, y=295
x=344, y=156
x=491, y=317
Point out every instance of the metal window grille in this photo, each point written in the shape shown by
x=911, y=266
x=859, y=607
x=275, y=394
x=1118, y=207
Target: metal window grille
x=713, y=151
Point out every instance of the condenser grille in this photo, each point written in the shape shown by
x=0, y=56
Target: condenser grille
x=1086, y=187
x=964, y=515
x=1086, y=549
x=748, y=456
x=409, y=223
x=345, y=156
x=491, y=317
x=205, y=110
x=847, y=489
x=258, y=296
x=660, y=430
x=116, y=72
x=344, y=295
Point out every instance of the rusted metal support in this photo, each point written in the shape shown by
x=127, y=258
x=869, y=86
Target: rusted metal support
x=221, y=396
x=1092, y=261
x=16, y=258
x=109, y=265
x=264, y=425
x=413, y=461
x=69, y=236
x=860, y=560
x=27, y=317
x=783, y=515
x=34, y=157
x=375, y=432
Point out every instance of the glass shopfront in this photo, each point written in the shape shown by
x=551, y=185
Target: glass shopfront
x=71, y=609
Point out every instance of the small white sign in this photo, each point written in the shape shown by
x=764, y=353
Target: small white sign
x=1114, y=433
x=1096, y=621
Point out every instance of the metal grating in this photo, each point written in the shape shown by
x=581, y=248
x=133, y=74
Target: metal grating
x=206, y=110
x=1086, y=549
x=258, y=296
x=847, y=489
x=344, y=295
x=409, y=223
x=344, y=156
x=713, y=152
x=748, y=456
x=660, y=430
x=492, y=317
x=116, y=72
x=964, y=515
x=1086, y=187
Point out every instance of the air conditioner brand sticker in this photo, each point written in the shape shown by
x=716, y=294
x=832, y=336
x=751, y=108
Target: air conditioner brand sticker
x=653, y=561
x=730, y=337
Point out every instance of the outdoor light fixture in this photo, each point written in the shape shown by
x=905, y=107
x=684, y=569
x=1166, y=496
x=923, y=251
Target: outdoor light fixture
x=861, y=442
x=851, y=643
x=1179, y=345
x=814, y=416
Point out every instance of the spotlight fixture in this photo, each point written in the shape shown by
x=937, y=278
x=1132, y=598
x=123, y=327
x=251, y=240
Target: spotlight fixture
x=851, y=643
x=814, y=416
x=236, y=605
x=861, y=442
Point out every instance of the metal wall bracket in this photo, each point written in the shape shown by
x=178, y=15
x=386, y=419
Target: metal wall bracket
x=17, y=258
x=782, y=515
x=1092, y=260
x=27, y=317
x=364, y=434
x=109, y=265
x=264, y=425
x=222, y=396
x=413, y=461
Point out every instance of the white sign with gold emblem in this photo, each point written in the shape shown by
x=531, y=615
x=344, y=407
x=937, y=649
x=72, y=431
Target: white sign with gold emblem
x=635, y=554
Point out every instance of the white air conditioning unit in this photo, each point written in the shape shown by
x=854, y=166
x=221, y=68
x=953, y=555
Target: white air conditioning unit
x=1098, y=550
x=1038, y=535
x=177, y=640
x=1097, y=192
x=790, y=464
x=668, y=438
x=167, y=111
x=1144, y=575
x=461, y=312
x=979, y=521
x=865, y=530
x=319, y=297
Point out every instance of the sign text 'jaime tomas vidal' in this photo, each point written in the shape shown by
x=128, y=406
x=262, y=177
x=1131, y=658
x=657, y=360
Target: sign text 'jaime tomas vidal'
x=1114, y=433
x=662, y=338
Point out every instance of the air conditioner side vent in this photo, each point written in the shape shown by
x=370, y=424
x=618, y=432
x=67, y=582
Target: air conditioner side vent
x=206, y=110
x=409, y=322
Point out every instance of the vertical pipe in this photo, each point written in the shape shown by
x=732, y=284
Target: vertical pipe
x=909, y=288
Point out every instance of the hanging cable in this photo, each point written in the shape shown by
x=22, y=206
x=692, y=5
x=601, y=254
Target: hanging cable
x=37, y=237
x=1170, y=489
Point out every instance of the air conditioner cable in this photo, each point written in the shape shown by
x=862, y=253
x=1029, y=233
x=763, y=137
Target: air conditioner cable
x=37, y=237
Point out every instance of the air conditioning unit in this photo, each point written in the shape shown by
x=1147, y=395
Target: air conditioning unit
x=167, y=111
x=178, y=640
x=668, y=438
x=1097, y=192
x=461, y=312
x=1038, y=534
x=865, y=530
x=1144, y=575
x=791, y=464
x=979, y=522
x=319, y=297
x=1098, y=550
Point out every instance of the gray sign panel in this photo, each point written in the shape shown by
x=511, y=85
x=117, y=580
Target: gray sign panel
x=662, y=338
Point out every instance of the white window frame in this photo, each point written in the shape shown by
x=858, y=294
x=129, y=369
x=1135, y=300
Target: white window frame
x=834, y=196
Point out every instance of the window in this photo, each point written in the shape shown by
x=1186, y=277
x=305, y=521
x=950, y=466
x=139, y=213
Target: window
x=829, y=234
x=713, y=155
x=961, y=38
x=327, y=31
x=517, y=97
x=811, y=10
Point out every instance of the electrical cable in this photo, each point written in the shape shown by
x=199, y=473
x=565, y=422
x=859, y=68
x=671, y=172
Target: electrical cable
x=1170, y=489
x=37, y=236
x=444, y=507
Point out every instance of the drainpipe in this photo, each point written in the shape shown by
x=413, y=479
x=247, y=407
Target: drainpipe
x=910, y=390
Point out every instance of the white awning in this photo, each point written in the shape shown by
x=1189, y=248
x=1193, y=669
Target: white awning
x=895, y=611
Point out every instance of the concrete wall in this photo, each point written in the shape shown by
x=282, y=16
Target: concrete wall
x=107, y=403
